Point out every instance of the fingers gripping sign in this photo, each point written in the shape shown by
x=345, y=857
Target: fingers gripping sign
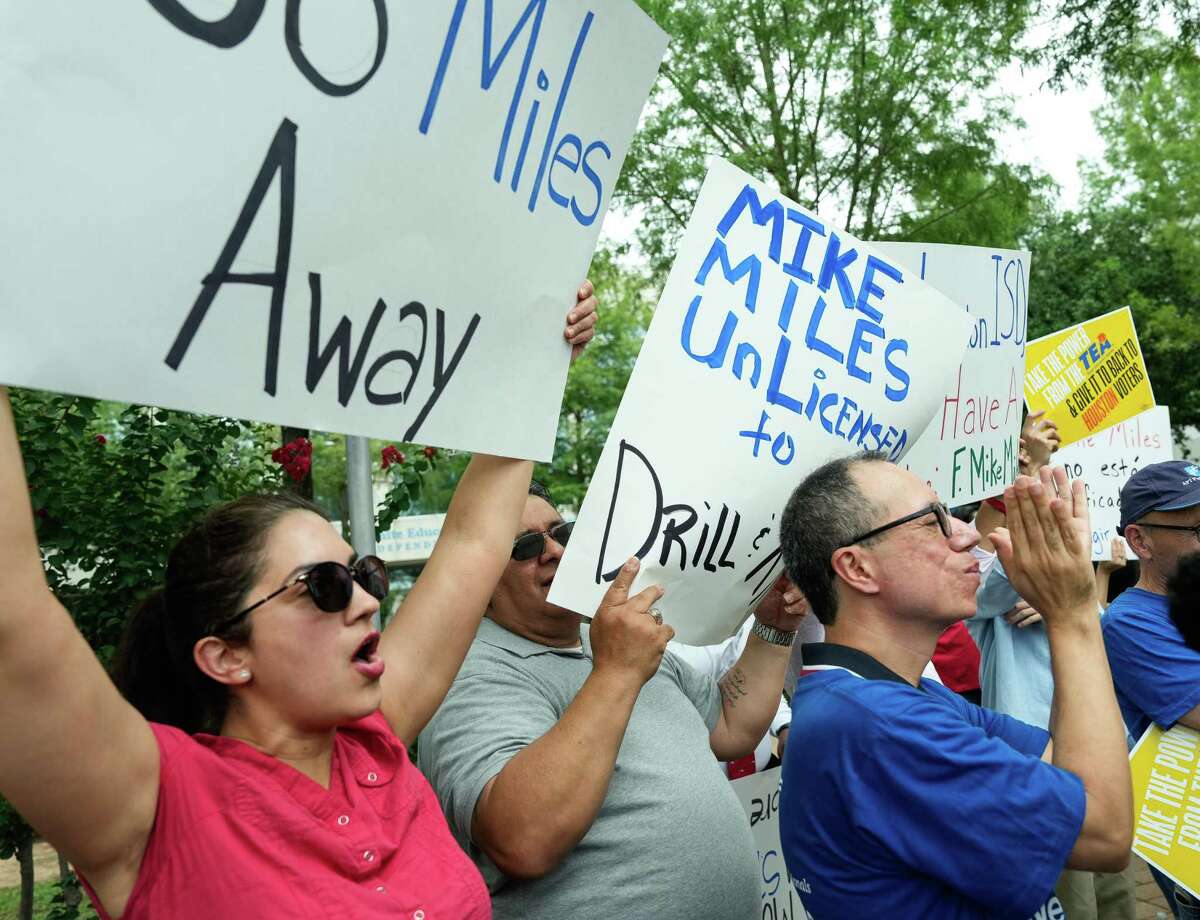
x=1046, y=548
x=625, y=638
x=783, y=607
x=581, y=321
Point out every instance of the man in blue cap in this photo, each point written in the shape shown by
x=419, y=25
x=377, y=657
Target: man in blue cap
x=1155, y=672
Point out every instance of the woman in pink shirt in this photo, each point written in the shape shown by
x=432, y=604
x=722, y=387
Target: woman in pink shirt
x=263, y=772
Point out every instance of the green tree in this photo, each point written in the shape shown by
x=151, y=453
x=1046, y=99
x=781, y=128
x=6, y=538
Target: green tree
x=1116, y=38
x=878, y=111
x=1134, y=239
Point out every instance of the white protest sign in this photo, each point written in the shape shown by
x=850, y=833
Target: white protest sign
x=969, y=451
x=779, y=342
x=759, y=795
x=1106, y=460
x=359, y=217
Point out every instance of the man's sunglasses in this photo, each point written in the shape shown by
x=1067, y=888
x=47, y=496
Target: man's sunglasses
x=937, y=509
x=331, y=585
x=529, y=545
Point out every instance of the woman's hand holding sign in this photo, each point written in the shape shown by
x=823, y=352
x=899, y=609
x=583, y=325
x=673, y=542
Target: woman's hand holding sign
x=581, y=321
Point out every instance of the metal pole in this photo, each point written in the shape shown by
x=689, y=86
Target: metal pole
x=360, y=497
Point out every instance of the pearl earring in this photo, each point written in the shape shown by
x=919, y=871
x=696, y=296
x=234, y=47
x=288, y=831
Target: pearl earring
x=244, y=674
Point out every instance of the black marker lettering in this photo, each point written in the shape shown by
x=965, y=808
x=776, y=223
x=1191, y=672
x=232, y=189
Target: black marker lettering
x=291, y=37
x=622, y=448
x=414, y=362
x=724, y=562
x=231, y=30
x=674, y=531
x=339, y=343
x=441, y=372
x=281, y=158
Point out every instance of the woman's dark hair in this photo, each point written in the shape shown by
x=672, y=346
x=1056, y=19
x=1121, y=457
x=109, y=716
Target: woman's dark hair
x=209, y=572
x=1184, y=592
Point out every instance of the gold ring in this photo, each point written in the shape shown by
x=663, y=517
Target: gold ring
x=655, y=615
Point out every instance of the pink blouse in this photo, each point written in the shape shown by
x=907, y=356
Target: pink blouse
x=239, y=834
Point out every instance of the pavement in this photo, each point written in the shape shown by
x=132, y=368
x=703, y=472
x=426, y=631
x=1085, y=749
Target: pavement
x=1150, y=903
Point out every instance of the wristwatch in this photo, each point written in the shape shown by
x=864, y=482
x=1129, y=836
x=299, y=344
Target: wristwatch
x=773, y=635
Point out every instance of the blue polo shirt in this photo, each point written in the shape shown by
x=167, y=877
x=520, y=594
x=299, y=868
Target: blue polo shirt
x=902, y=801
x=1155, y=672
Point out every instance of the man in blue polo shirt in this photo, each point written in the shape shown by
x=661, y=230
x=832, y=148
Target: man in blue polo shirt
x=1156, y=673
x=929, y=806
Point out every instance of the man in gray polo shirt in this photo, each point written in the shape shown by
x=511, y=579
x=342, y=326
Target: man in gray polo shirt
x=576, y=765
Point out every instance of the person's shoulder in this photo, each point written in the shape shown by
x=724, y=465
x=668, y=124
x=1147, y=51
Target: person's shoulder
x=1133, y=602
x=1134, y=611
x=859, y=705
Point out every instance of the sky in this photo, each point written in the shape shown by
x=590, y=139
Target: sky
x=1059, y=128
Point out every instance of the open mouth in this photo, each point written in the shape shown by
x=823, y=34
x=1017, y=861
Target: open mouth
x=366, y=658
x=367, y=649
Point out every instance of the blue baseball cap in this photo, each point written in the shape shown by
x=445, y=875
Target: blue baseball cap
x=1167, y=486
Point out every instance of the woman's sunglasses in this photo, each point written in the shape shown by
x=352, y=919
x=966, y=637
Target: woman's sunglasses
x=529, y=545
x=331, y=585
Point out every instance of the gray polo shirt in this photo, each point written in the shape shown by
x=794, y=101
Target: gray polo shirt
x=670, y=841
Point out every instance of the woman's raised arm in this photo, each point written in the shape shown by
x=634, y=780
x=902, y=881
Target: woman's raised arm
x=77, y=761
x=427, y=640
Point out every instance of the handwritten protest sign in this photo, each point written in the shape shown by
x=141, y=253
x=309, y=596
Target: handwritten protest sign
x=1088, y=377
x=347, y=216
x=1166, y=802
x=969, y=451
x=778, y=343
x=1105, y=461
x=759, y=795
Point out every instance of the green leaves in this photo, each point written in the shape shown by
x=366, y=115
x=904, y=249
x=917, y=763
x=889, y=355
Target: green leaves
x=113, y=486
x=876, y=112
x=1134, y=240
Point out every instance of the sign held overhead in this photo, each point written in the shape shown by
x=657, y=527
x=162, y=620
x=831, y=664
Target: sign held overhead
x=345, y=216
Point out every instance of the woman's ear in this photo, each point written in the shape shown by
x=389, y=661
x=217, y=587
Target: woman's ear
x=226, y=664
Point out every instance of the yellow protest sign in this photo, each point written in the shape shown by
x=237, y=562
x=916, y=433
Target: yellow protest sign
x=1088, y=377
x=1166, y=802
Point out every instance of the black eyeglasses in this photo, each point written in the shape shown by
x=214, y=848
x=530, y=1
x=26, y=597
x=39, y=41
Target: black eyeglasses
x=1194, y=528
x=529, y=545
x=331, y=585
x=937, y=509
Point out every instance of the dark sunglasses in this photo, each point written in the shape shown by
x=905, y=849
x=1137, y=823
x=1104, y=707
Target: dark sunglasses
x=529, y=545
x=331, y=585
x=937, y=509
